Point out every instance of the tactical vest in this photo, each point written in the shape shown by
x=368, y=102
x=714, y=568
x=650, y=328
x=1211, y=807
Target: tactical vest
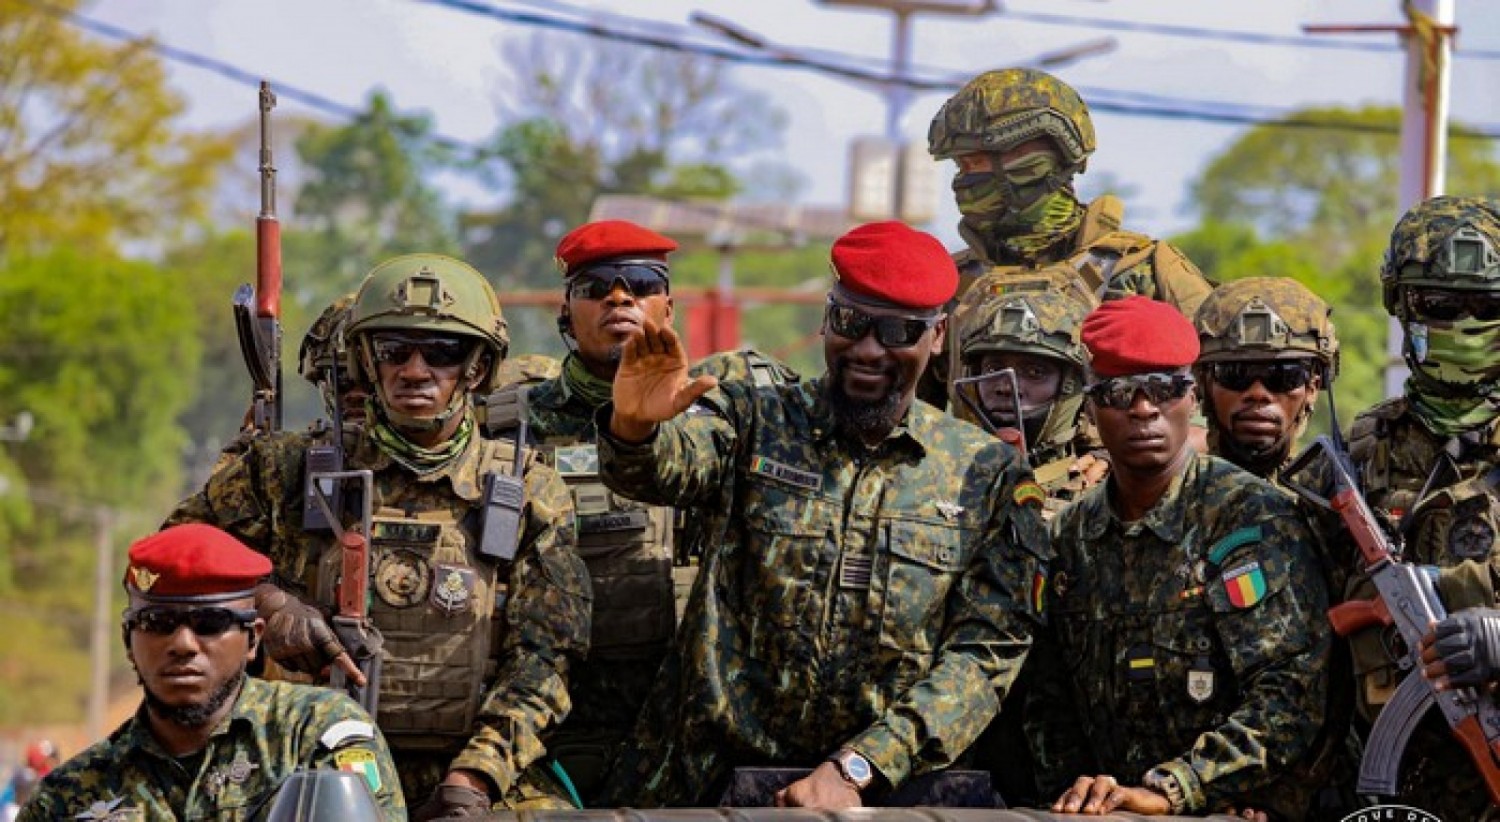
x=626, y=546
x=439, y=606
x=1454, y=520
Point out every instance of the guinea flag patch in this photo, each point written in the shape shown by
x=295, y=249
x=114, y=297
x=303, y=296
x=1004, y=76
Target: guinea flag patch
x=360, y=761
x=1246, y=584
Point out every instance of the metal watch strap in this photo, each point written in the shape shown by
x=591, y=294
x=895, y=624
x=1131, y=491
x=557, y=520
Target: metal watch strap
x=1166, y=784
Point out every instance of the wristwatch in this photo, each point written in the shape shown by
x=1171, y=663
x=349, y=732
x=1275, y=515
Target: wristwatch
x=1163, y=782
x=855, y=769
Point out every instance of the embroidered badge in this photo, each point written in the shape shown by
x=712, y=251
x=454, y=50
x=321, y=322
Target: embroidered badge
x=1200, y=685
x=360, y=761
x=144, y=578
x=1039, y=592
x=1246, y=585
x=1029, y=493
x=241, y=768
x=786, y=473
x=1236, y=539
x=1471, y=539
x=949, y=510
x=1140, y=663
x=107, y=811
x=576, y=460
x=402, y=578
x=452, y=589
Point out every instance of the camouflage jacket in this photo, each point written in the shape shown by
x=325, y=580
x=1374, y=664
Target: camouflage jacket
x=876, y=599
x=258, y=498
x=1192, y=640
x=273, y=729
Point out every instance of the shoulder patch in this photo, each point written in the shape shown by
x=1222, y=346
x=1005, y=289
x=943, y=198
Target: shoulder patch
x=345, y=731
x=1242, y=537
x=1245, y=585
x=1029, y=493
x=362, y=762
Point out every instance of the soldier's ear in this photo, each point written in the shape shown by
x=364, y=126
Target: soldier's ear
x=256, y=630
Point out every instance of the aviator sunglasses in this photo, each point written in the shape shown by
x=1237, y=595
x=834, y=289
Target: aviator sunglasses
x=203, y=621
x=891, y=330
x=1277, y=377
x=438, y=352
x=641, y=280
x=1119, y=393
x=1447, y=306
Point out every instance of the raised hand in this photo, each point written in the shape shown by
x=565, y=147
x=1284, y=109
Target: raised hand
x=652, y=383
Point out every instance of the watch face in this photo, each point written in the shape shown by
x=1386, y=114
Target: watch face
x=857, y=767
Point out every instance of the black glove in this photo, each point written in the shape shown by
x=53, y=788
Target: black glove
x=452, y=802
x=298, y=635
x=1468, y=643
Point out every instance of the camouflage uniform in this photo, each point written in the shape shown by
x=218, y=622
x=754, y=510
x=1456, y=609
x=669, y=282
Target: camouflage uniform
x=1192, y=641
x=476, y=648
x=1444, y=244
x=1000, y=109
x=875, y=599
x=273, y=729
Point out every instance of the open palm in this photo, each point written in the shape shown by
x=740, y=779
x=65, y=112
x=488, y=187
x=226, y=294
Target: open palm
x=652, y=384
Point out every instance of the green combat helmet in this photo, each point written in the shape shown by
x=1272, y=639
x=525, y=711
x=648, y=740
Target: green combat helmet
x=324, y=341
x=1441, y=279
x=1038, y=313
x=432, y=293
x=1266, y=318
x=1001, y=109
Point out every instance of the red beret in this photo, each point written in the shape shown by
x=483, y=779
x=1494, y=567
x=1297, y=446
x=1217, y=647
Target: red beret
x=1138, y=335
x=894, y=263
x=609, y=239
x=193, y=563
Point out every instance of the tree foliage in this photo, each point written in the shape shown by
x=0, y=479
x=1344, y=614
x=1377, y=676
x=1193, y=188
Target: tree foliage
x=90, y=151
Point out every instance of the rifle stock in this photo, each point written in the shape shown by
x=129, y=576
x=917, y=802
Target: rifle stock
x=1408, y=600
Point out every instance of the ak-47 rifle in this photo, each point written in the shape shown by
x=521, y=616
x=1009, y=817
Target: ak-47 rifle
x=1408, y=599
x=352, y=625
x=257, y=310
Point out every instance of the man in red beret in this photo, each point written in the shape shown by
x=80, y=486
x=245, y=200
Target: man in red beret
x=208, y=742
x=869, y=599
x=1183, y=669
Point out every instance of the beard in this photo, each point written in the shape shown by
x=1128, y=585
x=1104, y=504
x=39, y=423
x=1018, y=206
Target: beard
x=195, y=716
x=864, y=417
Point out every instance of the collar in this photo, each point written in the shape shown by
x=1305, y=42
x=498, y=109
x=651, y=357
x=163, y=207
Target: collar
x=1165, y=519
x=137, y=736
x=918, y=428
x=463, y=472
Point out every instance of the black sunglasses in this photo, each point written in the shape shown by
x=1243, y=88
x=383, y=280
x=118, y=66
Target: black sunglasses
x=438, y=352
x=891, y=330
x=1277, y=377
x=641, y=280
x=1447, y=306
x=203, y=621
x=1119, y=393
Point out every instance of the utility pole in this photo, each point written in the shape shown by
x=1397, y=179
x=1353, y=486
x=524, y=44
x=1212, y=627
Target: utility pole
x=1428, y=38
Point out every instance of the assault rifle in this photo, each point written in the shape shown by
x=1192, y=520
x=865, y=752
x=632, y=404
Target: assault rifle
x=352, y=625
x=257, y=310
x=1408, y=599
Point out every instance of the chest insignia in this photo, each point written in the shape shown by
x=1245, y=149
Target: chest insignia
x=1245, y=585
x=1200, y=685
x=241, y=768
x=1471, y=539
x=949, y=510
x=109, y=811
x=453, y=589
x=1140, y=663
x=402, y=578
x=786, y=473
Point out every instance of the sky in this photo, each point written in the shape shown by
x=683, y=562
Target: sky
x=446, y=62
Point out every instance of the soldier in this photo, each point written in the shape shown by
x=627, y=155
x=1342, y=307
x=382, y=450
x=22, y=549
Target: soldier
x=208, y=742
x=871, y=596
x=324, y=351
x=615, y=277
x=1428, y=460
x=1268, y=348
x=1185, y=611
x=1018, y=137
x=478, y=590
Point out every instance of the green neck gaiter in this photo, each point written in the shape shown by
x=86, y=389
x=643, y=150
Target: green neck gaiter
x=420, y=460
x=1451, y=416
x=594, y=391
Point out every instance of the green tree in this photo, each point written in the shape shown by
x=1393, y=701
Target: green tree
x=91, y=153
x=369, y=193
x=102, y=351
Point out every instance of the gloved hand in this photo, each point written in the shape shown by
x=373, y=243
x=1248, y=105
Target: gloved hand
x=1464, y=648
x=298, y=635
x=452, y=802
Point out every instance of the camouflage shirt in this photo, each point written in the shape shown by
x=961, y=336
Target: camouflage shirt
x=545, y=621
x=273, y=729
x=1192, y=640
x=878, y=599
